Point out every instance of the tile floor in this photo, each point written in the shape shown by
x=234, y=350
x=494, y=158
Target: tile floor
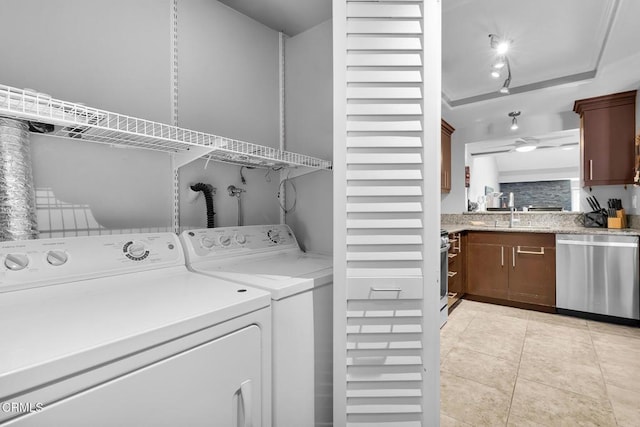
x=502, y=366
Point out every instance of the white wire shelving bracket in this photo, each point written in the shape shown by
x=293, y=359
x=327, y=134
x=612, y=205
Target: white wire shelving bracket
x=72, y=120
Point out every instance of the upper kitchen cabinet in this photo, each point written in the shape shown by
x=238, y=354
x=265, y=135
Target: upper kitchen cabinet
x=607, y=130
x=445, y=159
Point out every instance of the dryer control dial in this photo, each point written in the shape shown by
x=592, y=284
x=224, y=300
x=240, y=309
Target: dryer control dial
x=57, y=257
x=241, y=239
x=224, y=240
x=207, y=242
x=16, y=262
x=135, y=251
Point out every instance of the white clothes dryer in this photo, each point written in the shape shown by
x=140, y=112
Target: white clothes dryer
x=114, y=330
x=268, y=257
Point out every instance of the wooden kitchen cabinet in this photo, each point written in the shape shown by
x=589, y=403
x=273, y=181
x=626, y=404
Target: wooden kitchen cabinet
x=607, y=132
x=487, y=265
x=445, y=159
x=514, y=267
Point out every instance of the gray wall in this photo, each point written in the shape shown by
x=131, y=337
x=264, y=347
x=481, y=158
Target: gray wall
x=309, y=130
x=540, y=193
x=115, y=55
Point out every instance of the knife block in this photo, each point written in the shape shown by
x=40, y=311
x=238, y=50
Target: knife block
x=620, y=220
x=595, y=220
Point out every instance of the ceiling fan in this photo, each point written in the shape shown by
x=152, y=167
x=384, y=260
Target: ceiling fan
x=526, y=144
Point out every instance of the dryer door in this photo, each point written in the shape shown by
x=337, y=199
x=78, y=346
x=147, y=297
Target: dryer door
x=216, y=383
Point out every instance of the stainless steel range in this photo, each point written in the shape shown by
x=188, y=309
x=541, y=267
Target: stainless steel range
x=444, y=276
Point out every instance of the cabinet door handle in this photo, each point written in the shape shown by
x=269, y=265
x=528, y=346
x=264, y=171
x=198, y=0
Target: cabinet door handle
x=502, y=255
x=452, y=273
x=540, y=252
x=590, y=169
x=390, y=289
x=513, y=256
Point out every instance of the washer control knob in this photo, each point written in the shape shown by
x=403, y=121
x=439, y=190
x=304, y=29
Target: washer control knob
x=57, y=257
x=224, y=240
x=207, y=242
x=136, y=250
x=241, y=239
x=16, y=262
x=274, y=236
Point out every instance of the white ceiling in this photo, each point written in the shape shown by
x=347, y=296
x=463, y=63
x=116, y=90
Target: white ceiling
x=289, y=16
x=563, y=50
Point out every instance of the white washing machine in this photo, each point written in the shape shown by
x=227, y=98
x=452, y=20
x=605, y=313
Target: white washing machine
x=114, y=330
x=268, y=257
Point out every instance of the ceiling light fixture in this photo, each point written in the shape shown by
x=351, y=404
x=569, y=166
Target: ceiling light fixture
x=514, y=120
x=501, y=47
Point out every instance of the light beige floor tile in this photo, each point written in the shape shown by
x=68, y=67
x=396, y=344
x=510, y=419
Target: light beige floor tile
x=516, y=421
x=567, y=375
x=568, y=349
x=617, y=349
x=554, y=407
x=472, y=402
x=446, y=344
x=610, y=328
x=551, y=330
x=493, y=343
x=457, y=324
x=495, y=324
x=626, y=406
x=488, y=370
x=558, y=319
x=501, y=309
x=447, y=421
x=622, y=376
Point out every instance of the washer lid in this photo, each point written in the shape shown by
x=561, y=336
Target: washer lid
x=283, y=274
x=53, y=331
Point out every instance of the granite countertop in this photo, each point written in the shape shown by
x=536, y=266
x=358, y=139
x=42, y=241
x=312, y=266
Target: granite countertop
x=555, y=229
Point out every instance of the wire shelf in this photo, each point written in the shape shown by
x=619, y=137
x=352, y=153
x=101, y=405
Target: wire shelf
x=78, y=121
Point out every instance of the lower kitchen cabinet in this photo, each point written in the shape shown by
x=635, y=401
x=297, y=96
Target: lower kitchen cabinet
x=514, y=267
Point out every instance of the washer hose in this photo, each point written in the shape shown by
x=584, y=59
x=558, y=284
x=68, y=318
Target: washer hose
x=208, y=197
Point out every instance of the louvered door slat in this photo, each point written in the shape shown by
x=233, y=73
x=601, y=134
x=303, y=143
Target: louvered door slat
x=384, y=76
x=384, y=60
x=381, y=10
x=384, y=191
x=384, y=27
x=386, y=141
x=384, y=109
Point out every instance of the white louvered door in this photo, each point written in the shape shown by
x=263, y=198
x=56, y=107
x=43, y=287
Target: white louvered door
x=386, y=212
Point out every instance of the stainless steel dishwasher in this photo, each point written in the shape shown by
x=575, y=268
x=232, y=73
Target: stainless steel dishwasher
x=598, y=274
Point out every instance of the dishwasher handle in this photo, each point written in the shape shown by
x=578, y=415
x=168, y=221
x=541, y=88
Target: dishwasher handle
x=606, y=244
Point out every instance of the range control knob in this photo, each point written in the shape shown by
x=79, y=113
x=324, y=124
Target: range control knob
x=57, y=257
x=241, y=239
x=207, y=242
x=16, y=262
x=135, y=251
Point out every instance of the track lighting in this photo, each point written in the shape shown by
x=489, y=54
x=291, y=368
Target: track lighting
x=501, y=47
x=514, y=120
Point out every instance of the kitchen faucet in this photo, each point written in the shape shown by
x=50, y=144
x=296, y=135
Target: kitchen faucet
x=511, y=218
